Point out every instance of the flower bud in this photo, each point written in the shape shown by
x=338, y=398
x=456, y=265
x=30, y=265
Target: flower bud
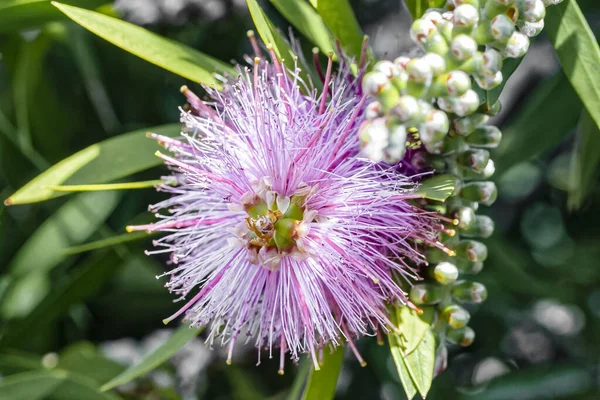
x=374, y=138
x=517, y=46
x=419, y=70
x=435, y=127
x=499, y=29
x=407, y=108
x=531, y=29
x=486, y=136
x=476, y=159
x=482, y=227
x=397, y=144
x=532, y=10
x=463, y=47
x=466, y=266
x=374, y=83
x=456, y=316
x=488, y=82
x=489, y=169
x=463, y=337
x=492, y=110
x=466, y=104
x=436, y=63
x=551, y=2
x=472, y=250
x=373, y=110
x=482, y=192
x=445, y=273
x=457, y=83
x=425, y=294
x=400, y=81
x=388, y=68
x=492, y=62
x=467, y=125
x=402, y=61
x=432, y=16
x=421, y=29
x=469, y=292
x=466, y=16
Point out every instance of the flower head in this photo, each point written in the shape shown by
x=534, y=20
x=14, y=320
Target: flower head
x=279, y=231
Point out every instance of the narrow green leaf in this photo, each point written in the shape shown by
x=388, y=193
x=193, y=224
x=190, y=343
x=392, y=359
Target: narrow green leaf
x=584, y=162
x=13, y=362
x=102, y=162
x=321, y=384
x=172, y=345
x=270, y=35
x=551, y=112
x=16, y=15
x=341, y=21
x=304, y=18
x=85, y=359
x=31, y=385
x=168, y=54
x=405, y=378
x=105, y=186
x=412, y=327
x=578, y=52
x=108, y=242
x=71, y=224
x=438, y=187
x=420, y=363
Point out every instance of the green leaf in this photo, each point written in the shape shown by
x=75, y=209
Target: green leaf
x=585, y=161
x=578, y=53
x=84, y=359
x=150, y=361
x=304, y=18
x=56, y=384
x=405, y=378
x=509, y=67
x=108, y=242
x=102, y=162
x=321, y=384
x=13, y=362
x=105, y=186
x=547, y=117
x=412, y=327
x=438, y=187
x=270, y=35
x=418, y=7
x=168, y=54
x=24, y=14
x=71, y=224
x=340, y=20
x=420, y=363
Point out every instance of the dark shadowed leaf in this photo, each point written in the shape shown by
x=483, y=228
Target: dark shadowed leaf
x=102, y=162
x=585, y=161
x=172, y=345
x=578, y=53
x=438, y=187
x=321, y=384
x=84, y=359
x=168, y=54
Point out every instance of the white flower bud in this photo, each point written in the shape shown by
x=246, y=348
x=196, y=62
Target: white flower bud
x=374, y=138
x=502, y=27
x=397, y=144
x=466, y=15
x=407, y=108
x=421, y=29
x=419, y=70
x=374, y=82
x=435, y=127
x=432, y=16
x=551, y=2
x=463, y=47
x=445, y=273
x=373, y=110
x=489, y=169
x=517, y=45
x=402, y=61
x=531, y=29
x=458, y=83
x=466, y=104
x=533, y=10
x=488, y=82
x=492, y=61
x=436, y=62
x=388, y=68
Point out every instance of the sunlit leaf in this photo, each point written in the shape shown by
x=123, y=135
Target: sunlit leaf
x=172, y=345
x=102, y=162
x=551, y=112
x=412, y=327
x=304, y=18
x=578, y=53
x=340, y=20
x=105, y=186
x=509, y=67
x=420, y=363
x=585, y=161
x=321, y=384
x=165, y=53
x=397, y=355
x=438, y=187
x=23, y=14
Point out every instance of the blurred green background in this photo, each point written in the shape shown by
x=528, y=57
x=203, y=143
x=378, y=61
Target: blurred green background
x=94, y=312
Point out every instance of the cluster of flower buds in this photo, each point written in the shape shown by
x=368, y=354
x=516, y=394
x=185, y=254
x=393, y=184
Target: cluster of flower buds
x=428, y=114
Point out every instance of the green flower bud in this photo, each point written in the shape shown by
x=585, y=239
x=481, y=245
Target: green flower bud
x=466, y=266
x=467, y=125
x=476, y=159
x=421, y=30
x=446, y=30
x=373, y=110
x=531, y=29
x=466, y=104
x=463, y=47
x=506, y=3
x=425, y=294
x=492, y=62
x=485, y=136
x=456, y=316
x=488, y=82
x=482, y=192
x=469, y=292
x=396, y=144
x=531, y=10
x=482, y=227
x=388, y=68
x=463, y=337
x=400, y=81
x=465, y=217
x=492, y=110
x=471, y=250
x=374, y=83
x=407, y=108
x=435, y=127
x=445, y=273
x=436, y=63
x=435, y=255
x=456, y=3
x=499, y=29
x=489, y=170
x=517, y=46
x=419, y=70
